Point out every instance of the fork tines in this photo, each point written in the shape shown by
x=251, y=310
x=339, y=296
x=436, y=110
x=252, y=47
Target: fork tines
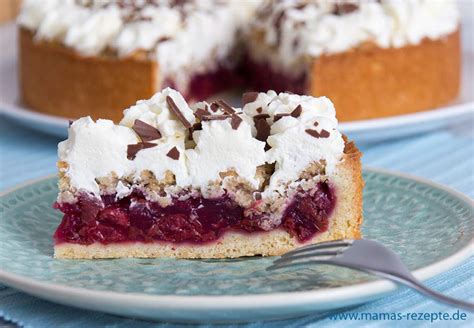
x=315, y=253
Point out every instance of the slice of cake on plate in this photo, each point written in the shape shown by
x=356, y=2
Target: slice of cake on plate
x=207, y=181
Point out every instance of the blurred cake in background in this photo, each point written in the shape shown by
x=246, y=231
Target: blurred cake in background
x=373, y=58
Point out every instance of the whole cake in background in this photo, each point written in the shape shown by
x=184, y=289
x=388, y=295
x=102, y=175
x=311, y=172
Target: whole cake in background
x=373, y=58
x=208, y=180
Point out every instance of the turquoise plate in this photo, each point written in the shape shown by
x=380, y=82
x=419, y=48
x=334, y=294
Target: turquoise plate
x=428, y=225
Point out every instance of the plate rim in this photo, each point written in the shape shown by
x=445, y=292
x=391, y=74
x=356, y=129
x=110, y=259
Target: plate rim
x=70, y=295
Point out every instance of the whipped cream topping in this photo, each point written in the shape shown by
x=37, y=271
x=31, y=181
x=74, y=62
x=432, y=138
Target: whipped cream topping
x=221, y=148
x=94, y=150
x=312, y=28
x=222, y=142
x=184, y=36
x=293, y=143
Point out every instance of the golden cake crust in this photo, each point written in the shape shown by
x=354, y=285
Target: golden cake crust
x=371, y=82
x=56, y=80
x=366, y=82
x=345, y=222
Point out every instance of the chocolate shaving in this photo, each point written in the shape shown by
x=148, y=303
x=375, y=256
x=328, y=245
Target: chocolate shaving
x=316, y=123
x=324, y=134
x=200, y=113
x=344, y=8
x=277, y=117
x=263, y=129
x=249, y=97
x=297, y=111
x=177, y=112
x=214, y=107
x=235, y=122
x=225, y=106
x=164, y=39
x=214, y=117
x=261, y=116
x=173, y=153
x=301, y=6
x=259, y=110
x=277, y=25
x=132, y=150
x=195, y=127
x=145, y=131
x=257, y=196
x=316, y=134
x=296, y=43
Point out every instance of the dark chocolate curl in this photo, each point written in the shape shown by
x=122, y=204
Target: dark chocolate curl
x=173, y=153
x=132, y=150
x=145, y=131
x=249, y=97
x=174, y=108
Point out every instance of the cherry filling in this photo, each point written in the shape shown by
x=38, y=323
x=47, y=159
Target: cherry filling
x=195, y=220
x=260, y=76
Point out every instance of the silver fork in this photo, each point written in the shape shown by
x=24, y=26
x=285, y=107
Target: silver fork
x=363, y=255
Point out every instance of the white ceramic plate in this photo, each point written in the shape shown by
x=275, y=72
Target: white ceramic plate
x=411, y=216
x=360, y=131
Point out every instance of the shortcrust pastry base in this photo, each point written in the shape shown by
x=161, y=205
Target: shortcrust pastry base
x=231, y=245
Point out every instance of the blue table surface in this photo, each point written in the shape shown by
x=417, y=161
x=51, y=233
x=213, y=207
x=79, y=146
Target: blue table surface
x=444, y=156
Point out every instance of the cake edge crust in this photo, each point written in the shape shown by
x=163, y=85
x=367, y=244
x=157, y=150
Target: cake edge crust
x=56, y=80
x=344, y=223
x=415, y=78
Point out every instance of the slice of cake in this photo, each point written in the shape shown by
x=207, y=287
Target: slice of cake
x=372, y=58
x=207, y=181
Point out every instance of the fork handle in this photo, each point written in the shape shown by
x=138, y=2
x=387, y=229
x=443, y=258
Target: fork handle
x=413, y=283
